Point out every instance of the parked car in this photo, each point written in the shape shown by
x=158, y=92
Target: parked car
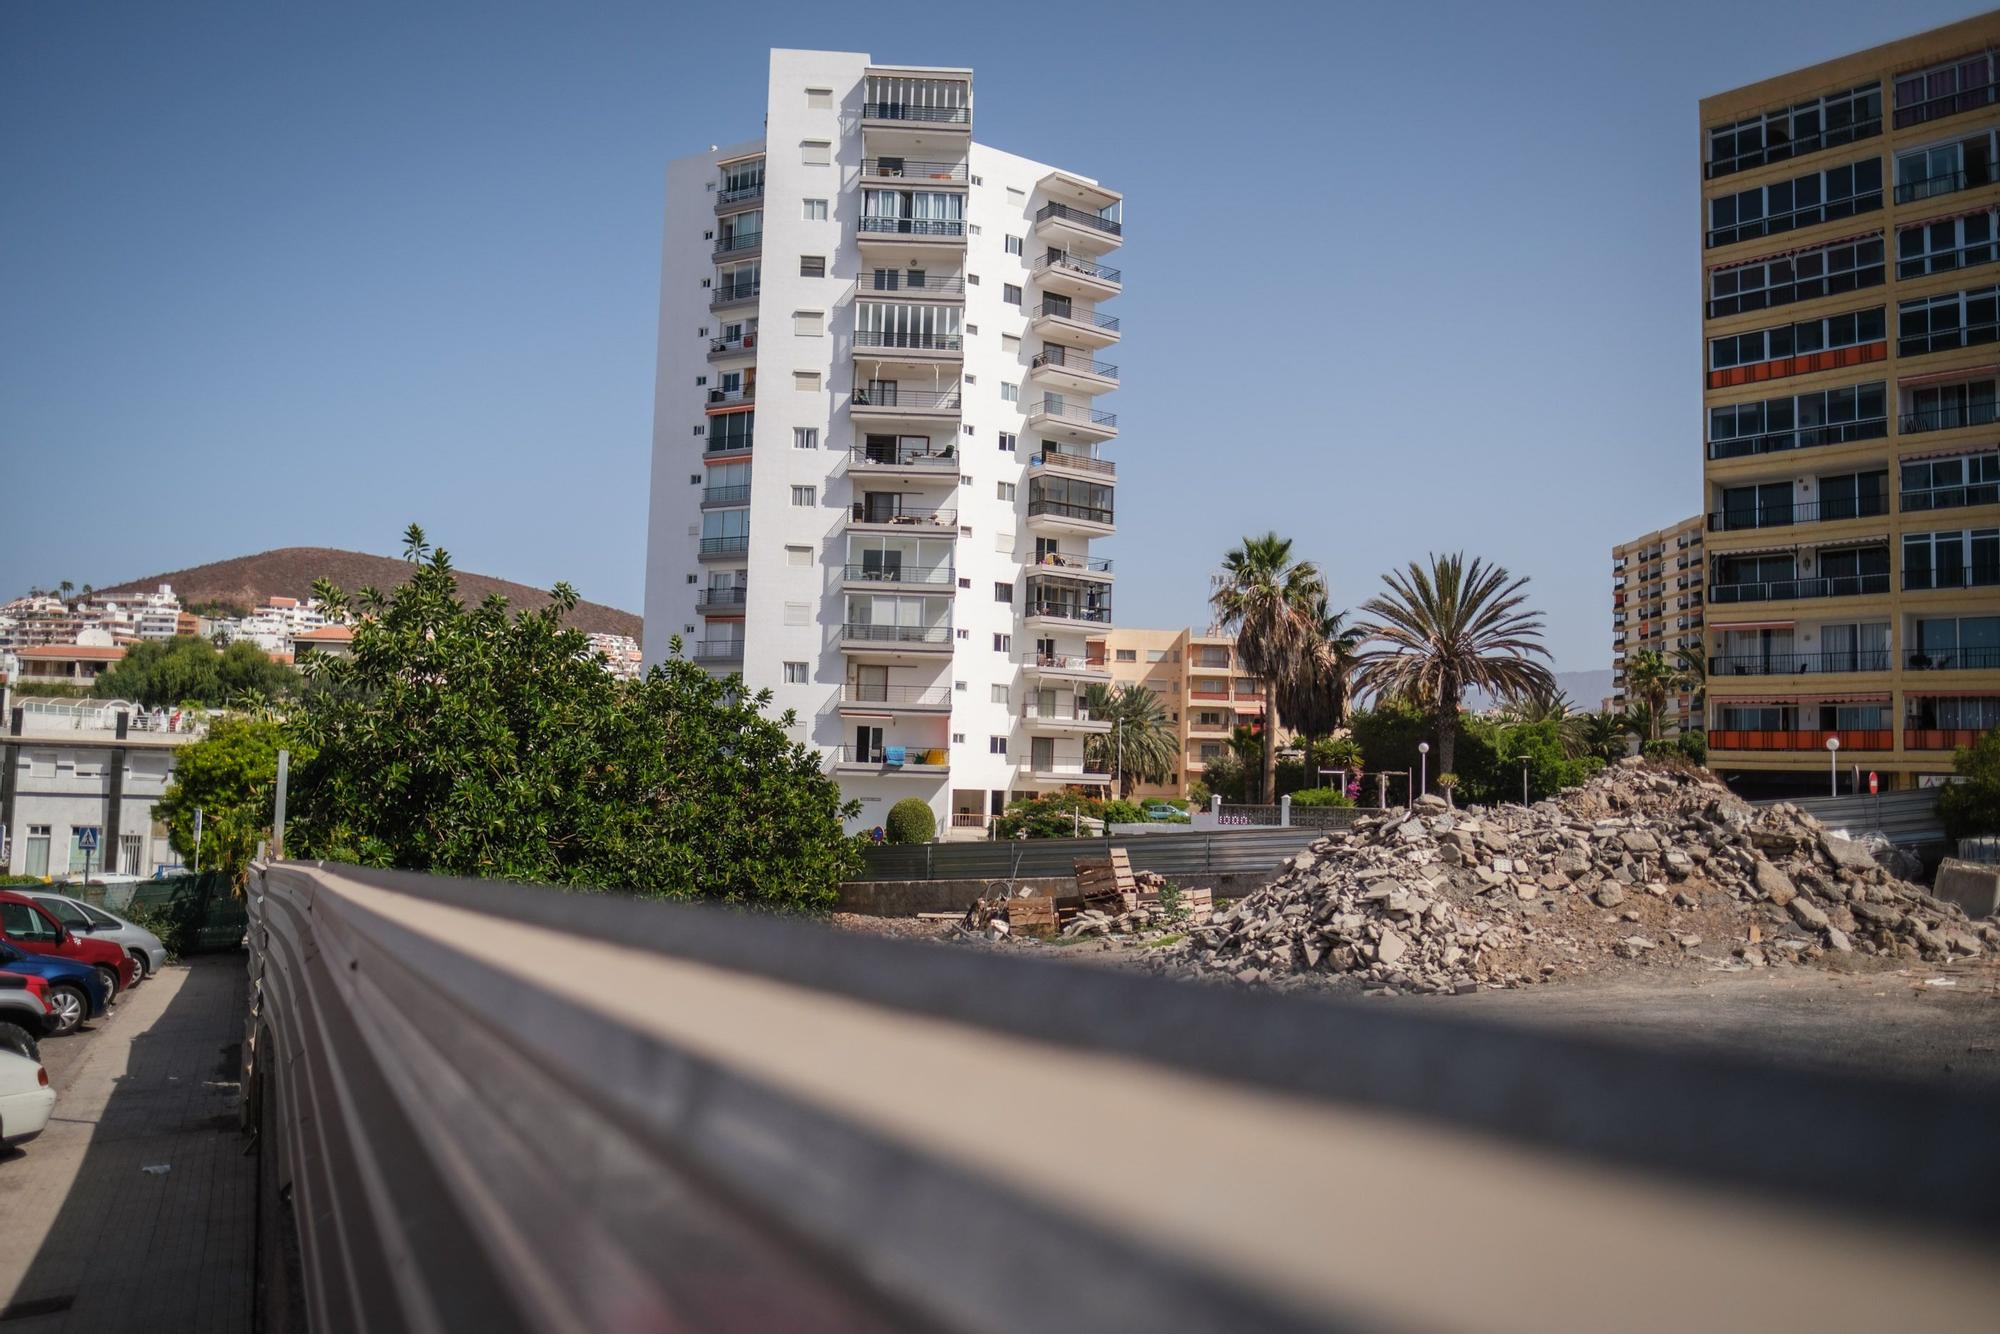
x=24, y=1013
x=28, y=926
x=1160, y=810
x=145, y=948
x=75, y=991
x=26, y=1100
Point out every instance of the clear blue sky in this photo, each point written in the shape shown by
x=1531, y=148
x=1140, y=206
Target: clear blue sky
x=1400, y=277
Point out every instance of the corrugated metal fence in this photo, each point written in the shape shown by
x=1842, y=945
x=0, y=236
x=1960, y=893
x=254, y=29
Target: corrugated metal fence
x=1909, y=819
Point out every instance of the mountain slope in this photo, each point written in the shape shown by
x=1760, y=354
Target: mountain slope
x=289, y=572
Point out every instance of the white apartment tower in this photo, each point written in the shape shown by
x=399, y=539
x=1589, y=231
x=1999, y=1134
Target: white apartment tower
x=879, y=435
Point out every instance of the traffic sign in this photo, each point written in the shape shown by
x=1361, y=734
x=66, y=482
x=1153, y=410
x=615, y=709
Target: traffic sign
x=86, y=838
x=1874, y=783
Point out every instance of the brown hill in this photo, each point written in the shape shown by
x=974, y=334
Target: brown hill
x=289, y=572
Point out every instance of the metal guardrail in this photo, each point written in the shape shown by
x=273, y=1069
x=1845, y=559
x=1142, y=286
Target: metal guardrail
x=490, y=1106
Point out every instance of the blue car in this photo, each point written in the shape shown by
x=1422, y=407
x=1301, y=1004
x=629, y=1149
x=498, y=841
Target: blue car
x=76, y=990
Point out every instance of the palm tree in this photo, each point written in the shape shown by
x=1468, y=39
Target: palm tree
x=1456, y=625
x=1604, y=733
x=1650, y=676
x=1142, y=746
x=65, y=588
x=1315, y=696
x=1694, y=671
x=1543, y=706
x=1268, y=602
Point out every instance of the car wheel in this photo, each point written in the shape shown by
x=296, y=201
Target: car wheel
x=68, y=1008
x=139, y=962
x=17, y=1039
x=110, y=976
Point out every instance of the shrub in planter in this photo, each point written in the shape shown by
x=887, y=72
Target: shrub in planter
x=910, y=821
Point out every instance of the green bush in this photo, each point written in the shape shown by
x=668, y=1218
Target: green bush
x=910, y=821
x=1320, y=796
x=1693, y=745
x=1225, y=776
x=177, y=923
x=1198, y=795
x=1971, y=807
x=1057, y=815
x=1122, y=812
x=1660, y=750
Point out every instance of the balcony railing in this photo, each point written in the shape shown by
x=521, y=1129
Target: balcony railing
x=1805, y=511
x=937, y=576
x=906, y=516
x=1971, y=576
x=1806, y=215
x=895, y=634
x=922, y=400
x=1793, y=664
x=1064, y=213
x=1033, y=712
x=1062, y=509
x=895, y=754
x=1951, y=497
x=1944, y=340
x=723, y=293
x=928, y=115
x=725, y=546
x=903, y=281
x=737, y=194
x=905, y=169
x=1057, y=560
x=1951, y=104
x=1954, y=660
x=947, y=228
x=744, y=342
x=1799, y=147
x=1056, y=458
x=721, y=599
x=1067, y=770
x=916, y=342
x=1804, y=437
x=1786, y=590
x=718, y=650
x=1071, y=611
x=1078, y=314
x=729, y=245
x=1941, y=738
x=1078, y=265
x=728, y=444
x=1078, y=413
x=910, y=456
x=872, y=692
x=726, y=495
x=1850, y=738
x=1103, y=370
x=746, y=394
x=1064, y=662
x=1950, y=417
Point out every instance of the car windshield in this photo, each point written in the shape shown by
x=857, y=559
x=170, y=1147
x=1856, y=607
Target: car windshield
x=99, y=917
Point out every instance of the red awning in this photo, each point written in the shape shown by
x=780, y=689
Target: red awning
x=1723, y=701
x=1882, y=698
x=1906, y=224
x=1798, y=250
x=1951, y=694
x=1960, y=452
x=1941, y=377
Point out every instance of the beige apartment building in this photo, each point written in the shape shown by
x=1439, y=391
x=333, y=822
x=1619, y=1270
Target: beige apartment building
x=1851, y=376
x=1202, y=684
x=1656, y=603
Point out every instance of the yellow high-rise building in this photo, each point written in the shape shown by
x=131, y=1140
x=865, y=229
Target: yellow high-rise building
x=1201, y=684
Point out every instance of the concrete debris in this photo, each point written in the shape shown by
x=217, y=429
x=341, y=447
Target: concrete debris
x=1420, y=900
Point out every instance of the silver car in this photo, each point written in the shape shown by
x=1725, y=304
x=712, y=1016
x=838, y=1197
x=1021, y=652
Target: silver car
x=89, y=919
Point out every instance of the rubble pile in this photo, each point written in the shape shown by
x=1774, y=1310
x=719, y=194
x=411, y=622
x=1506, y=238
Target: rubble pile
x=1647, y=863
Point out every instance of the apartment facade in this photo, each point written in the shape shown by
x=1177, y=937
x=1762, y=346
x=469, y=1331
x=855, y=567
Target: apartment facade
x=1202, y=686
x=1851, y=325
x=880, y=435
x=73, y=772
x=1656, y=603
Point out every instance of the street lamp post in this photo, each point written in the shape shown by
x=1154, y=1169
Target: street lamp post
x=1423, y=767
x=1524, y=780
x=1833, y=765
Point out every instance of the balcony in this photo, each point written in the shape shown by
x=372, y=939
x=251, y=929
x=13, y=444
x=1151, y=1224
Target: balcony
x=1786, y=516
x=1970, y=334
x=725, y=548
x=728, y=196
x=734, y=444
x=1943, y=183
x=895, y=758
x=874, y=698
x=721, y=600
x=901, y=518
x=722, y=497
x=939, y=233
x=1065, y=667
x=1061, y=225
x=1799, y=664
x=1081, y=325
x=1060, y=516
x=1950, y=497
x=924, y=108
x=1955, y=660
x=1952, y=416
x=906, y=283
x=1950, y=104
x=1788, y=590
x=1076, y=276
x=1973, y=576
x=721, y=400
x=926, y=174
x=895, y=640
x=715, y=652
x=897, y=345
x=1851, y=739
x=1939, y=738
x=1804, y=437
x=1051, y=613
x=741, y=245
x=1076, y=421
x=1061, y=463
x=935, y=579
x=1066, y=719
x=725, y=294
x=1068, y=369
x=1061, y=770
x=921, y=463
x=1083, y=567
x=732, y=345
x=891, y=404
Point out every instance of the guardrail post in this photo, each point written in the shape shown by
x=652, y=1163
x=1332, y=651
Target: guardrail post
x=1285, y=811
x=1215, y=805
x=930, y=867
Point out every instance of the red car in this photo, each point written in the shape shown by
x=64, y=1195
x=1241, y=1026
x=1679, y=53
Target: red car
x=25, y=925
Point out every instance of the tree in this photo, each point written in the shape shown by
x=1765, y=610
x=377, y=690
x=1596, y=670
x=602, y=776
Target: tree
x=1268, y=601
x=466, y=741
x=1142, y=745
x=1970, y=807
x=1604, y=734
x=1315, y=696
x=1054, y=815
x=1546, y=706
x=229, y=776
x=65, y=588
x=910, y=821
x=188, y=670
x=1224, y=777
x=1441, y=630
x=1653, y=678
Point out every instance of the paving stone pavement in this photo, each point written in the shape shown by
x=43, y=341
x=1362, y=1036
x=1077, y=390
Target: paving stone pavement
x=90, y=1242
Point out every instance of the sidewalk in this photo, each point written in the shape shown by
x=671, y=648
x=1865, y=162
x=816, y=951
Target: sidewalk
x=91, y=1243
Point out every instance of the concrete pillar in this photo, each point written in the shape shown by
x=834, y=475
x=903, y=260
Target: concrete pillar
x=1285, y=811
x=10, y=762
x=114, y=801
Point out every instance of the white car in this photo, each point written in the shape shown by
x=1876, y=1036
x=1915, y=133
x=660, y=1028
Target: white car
x=26, y=1100
x=146, y=949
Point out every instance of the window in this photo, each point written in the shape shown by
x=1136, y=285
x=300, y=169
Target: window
x=1937, y=484
x=1003, y=643
x=1010, y=393
x=1853, y=329
x=1016, y=197
x=1825, y=122
x=812, y=266
x=1003, y=593
x=1128, y=655
x=979, y=180
x=972, y=329
x=808, y=323
x=805, y=437
x=1013, y=245
x=700, y=380
x=806, y=381
x=796, y=675
x=1947, y=244
x=798, y=556
x=798, y=613
x=815, y=152
x=1007, y=442
x=1006, y=491
x=996, y=745
x=1826, y=270
x=700, y=430
x=1767, y=210
x=972, y=280
x=999, y=695
x=973, y=229
x=1959, y=84
x=1946, y=642
x=1011, y=294
x=1965, y=559
x=815, y=210
x=819, y=99
x=1010, y=343
x=1953, y=319
x=1824, y=417
x=805, y=497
